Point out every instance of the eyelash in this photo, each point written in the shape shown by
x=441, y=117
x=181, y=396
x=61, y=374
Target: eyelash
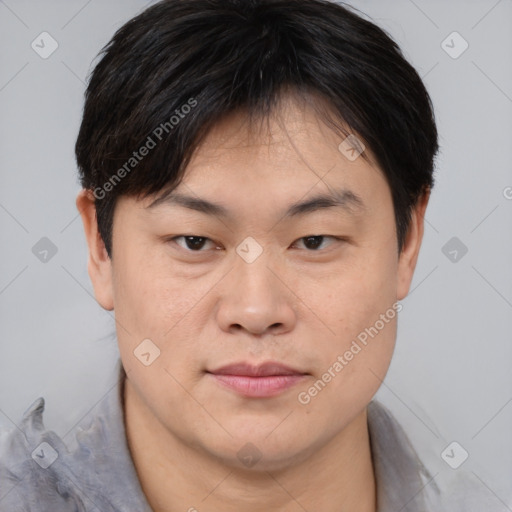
x=208, y=239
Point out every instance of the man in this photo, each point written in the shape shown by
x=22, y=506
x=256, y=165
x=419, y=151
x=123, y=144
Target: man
x=255, y=176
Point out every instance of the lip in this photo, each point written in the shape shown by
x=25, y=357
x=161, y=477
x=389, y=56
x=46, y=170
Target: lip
x=260, y=381
x=266, y=369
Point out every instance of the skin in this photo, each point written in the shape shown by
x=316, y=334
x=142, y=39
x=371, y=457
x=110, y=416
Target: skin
x=298, y=303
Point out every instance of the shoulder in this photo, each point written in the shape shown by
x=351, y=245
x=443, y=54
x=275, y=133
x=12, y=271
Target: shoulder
x=465, y=491
x=27, y=454
x=38, y=473
x=405, y=483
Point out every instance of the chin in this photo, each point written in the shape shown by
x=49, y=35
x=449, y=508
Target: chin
x=258, y=452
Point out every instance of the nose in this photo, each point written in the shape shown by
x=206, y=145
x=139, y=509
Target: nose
x=254, y=298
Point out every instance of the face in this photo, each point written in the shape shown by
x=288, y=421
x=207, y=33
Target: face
x=269, y=274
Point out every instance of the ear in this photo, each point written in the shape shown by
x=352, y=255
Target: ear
x=99, y=263
x=409, y=255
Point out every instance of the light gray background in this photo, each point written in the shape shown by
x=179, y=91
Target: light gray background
x=451, y=377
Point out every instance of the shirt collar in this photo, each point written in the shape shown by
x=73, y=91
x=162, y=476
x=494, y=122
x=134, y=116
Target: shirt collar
x=403, y=483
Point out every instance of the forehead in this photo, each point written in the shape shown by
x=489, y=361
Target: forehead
x=285, y=169
x=294, y=128
x=289, y=152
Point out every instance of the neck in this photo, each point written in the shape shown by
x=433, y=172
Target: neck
x=338, y=476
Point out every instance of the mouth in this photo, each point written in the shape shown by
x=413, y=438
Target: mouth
x=261, y=381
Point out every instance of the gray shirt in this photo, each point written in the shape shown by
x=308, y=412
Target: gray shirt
x=38, y=472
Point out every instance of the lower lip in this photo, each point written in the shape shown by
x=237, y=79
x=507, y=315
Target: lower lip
x=259, y=387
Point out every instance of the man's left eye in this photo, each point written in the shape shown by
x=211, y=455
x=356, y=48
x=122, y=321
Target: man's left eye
x=315, y=241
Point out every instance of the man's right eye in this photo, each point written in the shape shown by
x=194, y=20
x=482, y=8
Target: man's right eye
x=191, y=243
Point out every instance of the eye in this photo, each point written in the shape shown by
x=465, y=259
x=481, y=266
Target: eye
x=314, y=242
x=192, y=243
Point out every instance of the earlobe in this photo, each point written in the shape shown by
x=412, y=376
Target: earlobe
x=99, y=263
x=409, y=255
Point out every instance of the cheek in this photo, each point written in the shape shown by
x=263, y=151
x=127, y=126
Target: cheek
x=149, y=297
x=354, y=360
x=359, y=307
x=153, y=300
x=154, y=303
x=353, y=298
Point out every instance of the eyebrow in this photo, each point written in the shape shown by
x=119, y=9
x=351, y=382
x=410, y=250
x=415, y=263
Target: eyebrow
x=338, y=198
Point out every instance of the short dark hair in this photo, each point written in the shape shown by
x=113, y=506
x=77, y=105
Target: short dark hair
x=169, y=74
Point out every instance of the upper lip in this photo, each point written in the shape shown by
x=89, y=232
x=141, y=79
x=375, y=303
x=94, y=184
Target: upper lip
x=261, y=370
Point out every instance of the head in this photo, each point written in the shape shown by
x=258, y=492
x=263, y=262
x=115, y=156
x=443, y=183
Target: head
x=255, y=175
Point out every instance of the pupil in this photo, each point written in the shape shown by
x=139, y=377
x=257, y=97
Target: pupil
x=315, y=245
x=194, y=245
